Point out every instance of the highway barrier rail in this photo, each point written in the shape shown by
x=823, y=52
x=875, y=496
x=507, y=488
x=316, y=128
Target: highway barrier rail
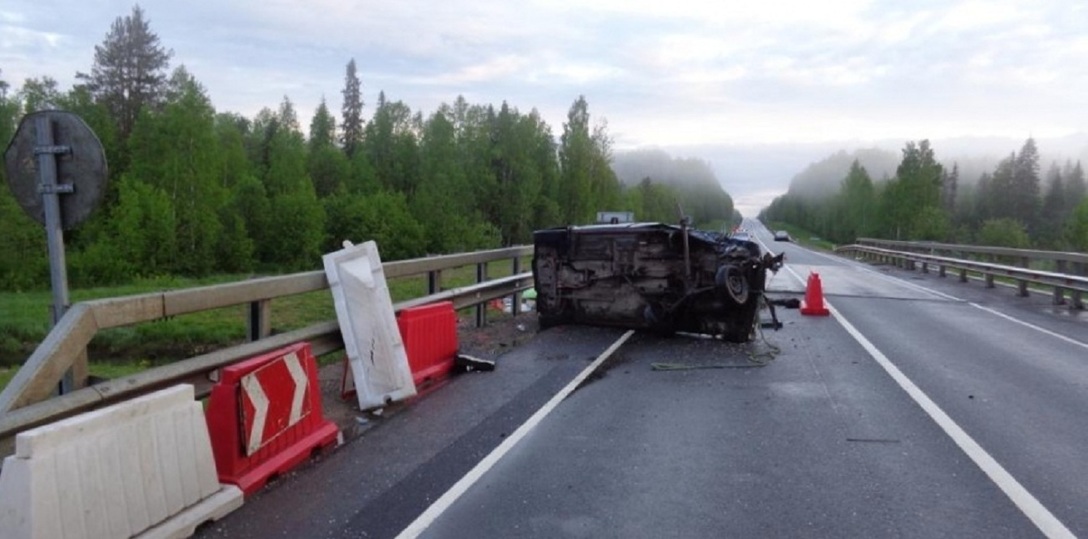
x=140, y=468
x=26, y=402
x=983, y=262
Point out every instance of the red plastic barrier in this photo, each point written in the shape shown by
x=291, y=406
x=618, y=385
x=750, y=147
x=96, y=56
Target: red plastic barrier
x=265, y=417
x=429, y=333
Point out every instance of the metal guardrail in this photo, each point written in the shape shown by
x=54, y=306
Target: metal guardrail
x=25, y=402
x=1065, y=261
x=1059, y=282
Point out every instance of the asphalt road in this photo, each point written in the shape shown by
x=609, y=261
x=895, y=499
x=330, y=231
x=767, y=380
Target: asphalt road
x=923, y=408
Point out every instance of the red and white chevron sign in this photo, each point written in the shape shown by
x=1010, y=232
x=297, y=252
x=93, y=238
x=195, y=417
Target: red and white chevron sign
x=273, y=399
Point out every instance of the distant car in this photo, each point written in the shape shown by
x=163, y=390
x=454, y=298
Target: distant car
x=741, y=236
x=781, y=235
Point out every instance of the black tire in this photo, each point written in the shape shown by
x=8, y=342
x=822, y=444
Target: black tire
x=732, y=284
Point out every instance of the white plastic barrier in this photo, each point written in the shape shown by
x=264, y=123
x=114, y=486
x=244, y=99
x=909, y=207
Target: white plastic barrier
x=379, y=362
x=139, y=468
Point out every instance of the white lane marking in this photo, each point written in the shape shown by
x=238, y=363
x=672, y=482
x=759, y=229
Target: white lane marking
x=908, y=284
x=994, y=312
x=420, y=524
x=1024, y=500
x=950, y=297
x=1030, y=325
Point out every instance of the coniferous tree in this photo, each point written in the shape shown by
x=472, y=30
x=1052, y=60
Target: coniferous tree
x=859, y=203
x=129, y=71
x=322, y=127
x=328, y=167
x=1077, y=229
x=1074, y=186
x=997, y=200
x=1053, y=216
x=920, y=174
x=1024, y=204
x=949, y=186
x=351, y=127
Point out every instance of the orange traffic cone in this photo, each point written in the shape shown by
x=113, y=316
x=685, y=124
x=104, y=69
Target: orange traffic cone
x=814, y=297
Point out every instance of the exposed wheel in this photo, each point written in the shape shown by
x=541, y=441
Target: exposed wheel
x=732, y=282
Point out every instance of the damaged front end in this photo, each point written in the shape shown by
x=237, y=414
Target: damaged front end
x=652, y=276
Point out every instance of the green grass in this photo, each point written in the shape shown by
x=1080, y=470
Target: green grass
x=24, y=321
x=5, y=376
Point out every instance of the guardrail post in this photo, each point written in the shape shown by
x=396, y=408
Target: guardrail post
x=925, y=267
x=963, y=275
x=259, y=321
x=942, y=270
x=515, y=300
x=434, y=281
x=481, y=309
x=989, y=280
x=1059, y=292
x=1078, y=296
x=1022, y=288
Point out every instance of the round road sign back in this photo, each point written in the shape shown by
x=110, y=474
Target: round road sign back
x=83, y=168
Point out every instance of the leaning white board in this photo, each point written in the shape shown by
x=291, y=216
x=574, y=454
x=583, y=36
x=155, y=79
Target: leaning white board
x=379, y=363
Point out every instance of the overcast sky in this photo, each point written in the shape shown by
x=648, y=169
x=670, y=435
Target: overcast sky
x=671, y=74
x=663, y=73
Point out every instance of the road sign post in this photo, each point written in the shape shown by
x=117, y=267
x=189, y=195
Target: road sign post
x=46, y=153
x=54, y=153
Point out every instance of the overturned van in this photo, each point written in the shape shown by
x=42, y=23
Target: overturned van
x=651, y=276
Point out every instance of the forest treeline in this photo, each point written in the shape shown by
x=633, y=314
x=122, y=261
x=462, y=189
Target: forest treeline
x=1013, y=205
x=195, y=191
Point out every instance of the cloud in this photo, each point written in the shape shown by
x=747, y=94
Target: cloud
x=661, y=72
